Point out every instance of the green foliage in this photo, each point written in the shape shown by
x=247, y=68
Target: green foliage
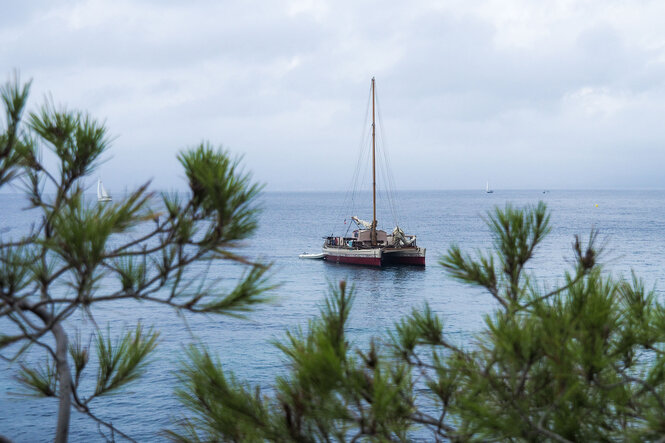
x=217, y=400
x=76, y=139
x=55, y=269
x=123, y=361
x=331, y=392
x=516, y=234
x=582, y=362
x=247, y=293
x=13, y=146
x=40, y=381
x=80, y=356
x=219, y=187
x=14, y=268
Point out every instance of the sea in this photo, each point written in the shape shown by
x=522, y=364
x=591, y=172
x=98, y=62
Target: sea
x=631, y=227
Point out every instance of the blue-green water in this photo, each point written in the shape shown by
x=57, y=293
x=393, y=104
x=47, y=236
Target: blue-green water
x=631, y=225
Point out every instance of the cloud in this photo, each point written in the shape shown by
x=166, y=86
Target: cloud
x=523, y=93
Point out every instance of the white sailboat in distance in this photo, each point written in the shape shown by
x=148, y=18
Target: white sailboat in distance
x=487, y=189
x=102, y=195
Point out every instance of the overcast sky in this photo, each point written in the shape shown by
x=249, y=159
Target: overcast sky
x=525, y=94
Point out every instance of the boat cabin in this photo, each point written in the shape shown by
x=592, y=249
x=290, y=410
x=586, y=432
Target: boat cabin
x=364, y=236
x=362, y=239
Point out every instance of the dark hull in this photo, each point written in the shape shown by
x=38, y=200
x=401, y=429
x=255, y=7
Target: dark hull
x=375, y=257
x=392, y=259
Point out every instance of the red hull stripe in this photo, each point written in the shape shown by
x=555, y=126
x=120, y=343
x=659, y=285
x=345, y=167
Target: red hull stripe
x=375, y=261
x=369, y=261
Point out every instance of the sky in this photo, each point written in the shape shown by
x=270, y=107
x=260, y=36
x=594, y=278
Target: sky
x=523, y=94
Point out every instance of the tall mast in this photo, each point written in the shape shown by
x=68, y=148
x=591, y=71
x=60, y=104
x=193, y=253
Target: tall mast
x=373, y=232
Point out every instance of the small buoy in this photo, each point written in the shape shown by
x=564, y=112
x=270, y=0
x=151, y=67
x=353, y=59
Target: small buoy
x=596, y=205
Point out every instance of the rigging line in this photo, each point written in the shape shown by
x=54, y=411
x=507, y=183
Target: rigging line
x=394, y=198
x=382, y=190
x=384, y=150
x=385, y=174
x=395, y=195
x=365, y=152
x=388, y=195
x=386, y=158
x=350, y=192
x=392, y=190
x=363, y=184
x=358, y=174
x=349, y=195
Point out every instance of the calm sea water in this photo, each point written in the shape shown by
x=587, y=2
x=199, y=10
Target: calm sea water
x=631, y=225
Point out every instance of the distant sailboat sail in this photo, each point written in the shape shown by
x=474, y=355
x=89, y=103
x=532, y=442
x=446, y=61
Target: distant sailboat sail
x=487, y=188
x=102, y=195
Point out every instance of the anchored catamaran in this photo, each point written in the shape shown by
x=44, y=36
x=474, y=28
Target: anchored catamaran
x=369, y=245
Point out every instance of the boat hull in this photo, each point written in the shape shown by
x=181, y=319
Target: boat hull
x=404, y=256
x=365, y=257
x=311, y=256
x=375, y=256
